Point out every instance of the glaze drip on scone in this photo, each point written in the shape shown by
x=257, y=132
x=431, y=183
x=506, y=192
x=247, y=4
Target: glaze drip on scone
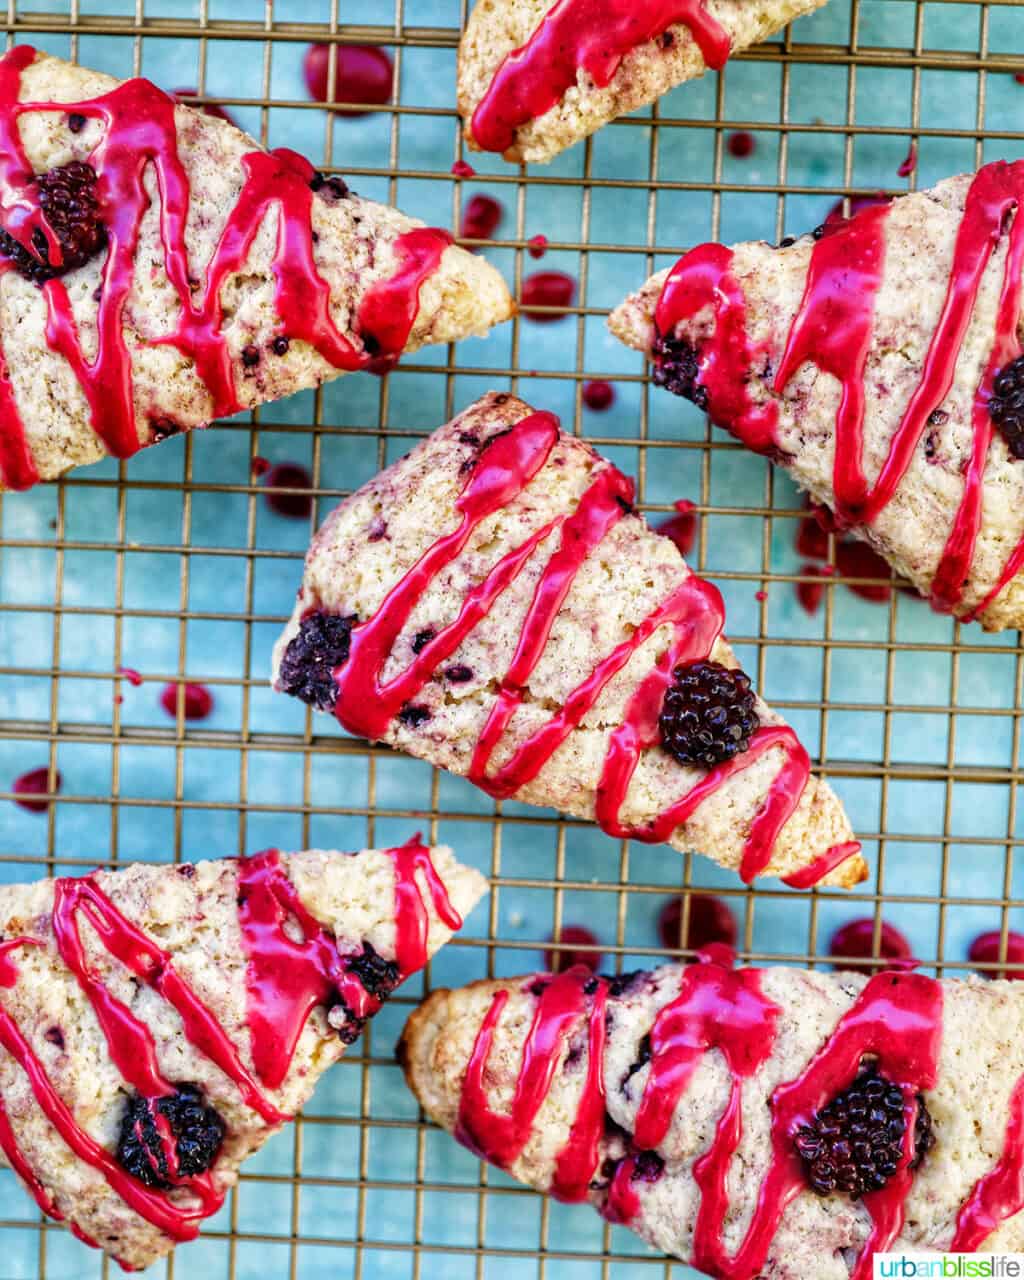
x=578, y=35
x=895, y=1026
x=694, y=611
x=294, y=963
x=138, y=131
x=833, y=330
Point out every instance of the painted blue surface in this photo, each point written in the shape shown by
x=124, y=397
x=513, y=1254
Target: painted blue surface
x=916, y=812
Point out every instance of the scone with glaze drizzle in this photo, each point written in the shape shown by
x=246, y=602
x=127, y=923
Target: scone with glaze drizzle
x=775, y=1124
x=536, y=76
x=159, y=1024
x=159, y=270
x=494, y=604
x=880, y=361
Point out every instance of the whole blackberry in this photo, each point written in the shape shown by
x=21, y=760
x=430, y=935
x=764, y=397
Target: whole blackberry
x=855, y=1143
x=709, y=714
x=378, y=976
x=67, y=197
x=676, y=369
x=197, y=1128
x=308, y=666
x=1006, y=407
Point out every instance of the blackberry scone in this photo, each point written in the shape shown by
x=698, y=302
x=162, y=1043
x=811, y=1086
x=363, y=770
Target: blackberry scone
x=494, y=604
x=159, y=270
x=160, y=1023
x=879, y=360
x=775, y=1124
x=536, y=76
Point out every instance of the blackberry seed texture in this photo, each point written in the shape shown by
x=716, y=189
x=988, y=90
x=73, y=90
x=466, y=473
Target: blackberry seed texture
x=709, y=714
x=311, y=658
x=855, y=1143
x=676, y=369
x=67, y=197
x=198, y=1133
x=378, y=976
x=1006, y=407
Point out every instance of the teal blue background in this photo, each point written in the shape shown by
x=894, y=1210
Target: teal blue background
x=930, y=775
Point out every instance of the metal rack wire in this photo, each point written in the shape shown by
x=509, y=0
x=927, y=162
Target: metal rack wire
x=170, y=565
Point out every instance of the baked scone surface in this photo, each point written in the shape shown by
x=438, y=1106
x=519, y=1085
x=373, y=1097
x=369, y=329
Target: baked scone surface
x=537, y=76
x=492, y=603
x=674, y=1102
x=867, y=360
x=159, y=270
x=161, y=1023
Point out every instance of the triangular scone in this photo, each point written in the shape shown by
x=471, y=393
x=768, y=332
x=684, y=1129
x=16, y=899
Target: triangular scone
x=160, y=1023
x=687, y=1104
x=866, y=359
x=494, y=604
x=288, y=279
x=536, y=76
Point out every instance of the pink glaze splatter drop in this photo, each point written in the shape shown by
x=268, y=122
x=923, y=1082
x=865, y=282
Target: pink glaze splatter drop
x=198, y=701
x=598, y=395
x=547, y=289
x=710, y=921
x=681, y=528
x=910, y=163
x=576, y=936
x=741, y=144
x=480, y=218
x=854, y=942
x=290, y=475
x=34, y=783
x=363, y=74
x=987, y=949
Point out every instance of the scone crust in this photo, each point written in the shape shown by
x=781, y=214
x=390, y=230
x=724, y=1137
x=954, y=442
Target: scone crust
x=497, y=27
x=374, y=538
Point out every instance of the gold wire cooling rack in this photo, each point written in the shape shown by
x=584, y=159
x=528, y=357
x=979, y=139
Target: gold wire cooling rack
x=918, y=719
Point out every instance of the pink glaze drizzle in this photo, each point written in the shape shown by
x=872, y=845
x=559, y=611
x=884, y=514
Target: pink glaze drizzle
x=834, y=329
x=8, y=1144
x=131, y=1044
x=694, y=611
x=1000, y=1193
x=139, y=132
x=286, y=979
x=583, y=35
x=178, y=1223
x=896, y=1020
x=817, y=870
x=501, y=1138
